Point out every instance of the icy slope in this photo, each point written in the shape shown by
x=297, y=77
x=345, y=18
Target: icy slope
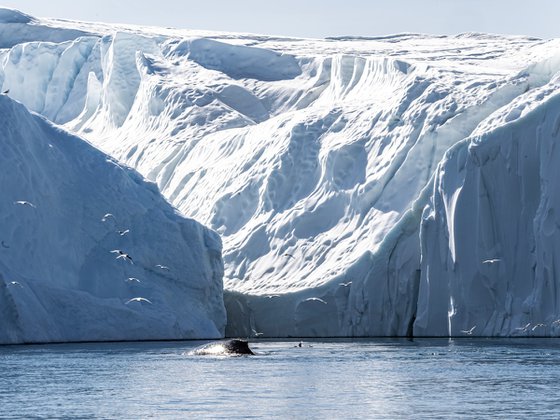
x=314, y=159
x=63, y=275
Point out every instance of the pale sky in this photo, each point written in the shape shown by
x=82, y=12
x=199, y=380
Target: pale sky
x=315, y=18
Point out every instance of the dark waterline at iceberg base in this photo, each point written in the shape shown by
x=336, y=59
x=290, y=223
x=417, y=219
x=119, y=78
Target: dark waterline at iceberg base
x=387, y=378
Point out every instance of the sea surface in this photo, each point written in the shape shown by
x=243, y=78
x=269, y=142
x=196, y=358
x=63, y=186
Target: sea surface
x=424, y=378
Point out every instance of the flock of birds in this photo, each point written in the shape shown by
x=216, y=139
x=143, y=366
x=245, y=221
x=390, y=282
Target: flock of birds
x=120, y=254
x=522, y=329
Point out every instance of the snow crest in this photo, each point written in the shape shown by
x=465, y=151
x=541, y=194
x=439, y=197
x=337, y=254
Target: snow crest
x=17, y=27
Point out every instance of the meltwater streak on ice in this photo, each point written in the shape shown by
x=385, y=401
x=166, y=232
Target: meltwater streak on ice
x=314, y=159
x=63, y=271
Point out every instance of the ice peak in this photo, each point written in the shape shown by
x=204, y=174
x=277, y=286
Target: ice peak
x=8, y=15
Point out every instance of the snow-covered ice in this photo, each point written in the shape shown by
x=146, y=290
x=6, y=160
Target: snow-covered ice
x=361, y=186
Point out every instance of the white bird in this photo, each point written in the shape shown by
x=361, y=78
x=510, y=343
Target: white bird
x=15, y=283
x=557, y=322
x=107, y=216
x=524, y=328
x=492, y=261
x=345, y=284
x=25, y=203
x=163, y=267
x=468, y=332
x=537, y=326
x=272, y=296
x=132, y=279
x=138, y=299
x=315, y=299
x=123, y=232
x=122, y=255
x=125, y=257
x=255, y=333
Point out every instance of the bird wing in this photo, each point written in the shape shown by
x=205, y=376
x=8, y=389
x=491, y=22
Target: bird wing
x=24, y=203
x=138, y=299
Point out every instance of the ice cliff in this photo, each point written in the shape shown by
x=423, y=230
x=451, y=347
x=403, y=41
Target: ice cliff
x=490, y=232
x=361, y=187
x=90, y=251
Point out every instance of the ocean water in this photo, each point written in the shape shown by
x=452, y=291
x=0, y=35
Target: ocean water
x=424, y=378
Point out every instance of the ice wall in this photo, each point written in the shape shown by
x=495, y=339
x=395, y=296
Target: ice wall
x=315, y=160
x=90, y=251
x=490, y=231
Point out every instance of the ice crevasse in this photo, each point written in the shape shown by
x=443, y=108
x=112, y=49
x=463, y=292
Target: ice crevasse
x=390, y=186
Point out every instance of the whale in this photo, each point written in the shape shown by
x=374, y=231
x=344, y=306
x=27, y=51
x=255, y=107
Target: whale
x=233, y=347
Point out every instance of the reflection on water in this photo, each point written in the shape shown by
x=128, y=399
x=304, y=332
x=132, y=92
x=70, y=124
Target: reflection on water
x=322, y=379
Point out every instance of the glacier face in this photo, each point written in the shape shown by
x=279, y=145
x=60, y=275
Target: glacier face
x=329, y=167
x=90, y=251
x=492, y=219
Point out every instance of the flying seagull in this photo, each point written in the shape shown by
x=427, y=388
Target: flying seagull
x=255, y=333
x=132, y=279
x=123, y=232
x=163, y=267
x=316, y=299
x=492, y=261
x=106, y=217
x=15, y=283
x=468, y=332
x=524, y=329
x=138, y=299
x=125, y=257
x=122, y=255
x=537, y=326
x=25, y=203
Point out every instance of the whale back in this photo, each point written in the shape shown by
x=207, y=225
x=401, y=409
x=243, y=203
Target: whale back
x=233, y=347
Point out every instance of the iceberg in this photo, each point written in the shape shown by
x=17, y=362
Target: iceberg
x=360, y=186
x=90, y=250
